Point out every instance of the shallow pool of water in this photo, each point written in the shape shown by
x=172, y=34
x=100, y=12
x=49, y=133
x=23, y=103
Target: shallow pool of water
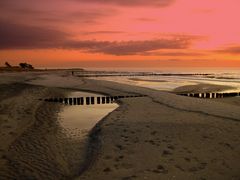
x=80, y=119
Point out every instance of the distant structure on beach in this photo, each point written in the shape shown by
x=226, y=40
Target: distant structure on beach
x=26, y=66
x=8, y=65
x=21, y=67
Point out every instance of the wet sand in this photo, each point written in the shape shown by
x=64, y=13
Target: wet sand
x=146, y=80
x=202, y=88
x=161, y=136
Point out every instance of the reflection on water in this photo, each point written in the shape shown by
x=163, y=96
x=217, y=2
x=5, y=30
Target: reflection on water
x=83, y=118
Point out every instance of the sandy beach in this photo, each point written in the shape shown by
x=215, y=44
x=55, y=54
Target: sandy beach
x=160, y=136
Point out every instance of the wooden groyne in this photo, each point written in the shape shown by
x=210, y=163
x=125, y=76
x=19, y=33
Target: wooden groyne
x=88, y=100
x=211, y=95
x=140, y=74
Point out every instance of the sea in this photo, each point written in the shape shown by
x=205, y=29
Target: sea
x=168, y=79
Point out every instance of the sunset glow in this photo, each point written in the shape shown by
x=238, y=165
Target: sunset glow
x=120, y=33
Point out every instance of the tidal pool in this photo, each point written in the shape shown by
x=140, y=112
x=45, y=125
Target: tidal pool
x=78, y=120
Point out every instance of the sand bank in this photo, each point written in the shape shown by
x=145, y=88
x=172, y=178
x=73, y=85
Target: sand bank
x=146, y=80
x=202, y=88
x=162, y=136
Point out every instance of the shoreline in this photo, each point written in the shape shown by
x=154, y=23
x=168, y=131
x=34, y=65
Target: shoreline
x=167, y=121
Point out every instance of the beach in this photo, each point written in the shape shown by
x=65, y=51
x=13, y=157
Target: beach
x=160, y=136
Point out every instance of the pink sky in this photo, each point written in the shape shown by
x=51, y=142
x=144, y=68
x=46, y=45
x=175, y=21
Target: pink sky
x=81, y=32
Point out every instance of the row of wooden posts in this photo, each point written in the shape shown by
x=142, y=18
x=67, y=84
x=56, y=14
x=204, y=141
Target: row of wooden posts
x=89, y=100
x=212, y=95
x=110, y=99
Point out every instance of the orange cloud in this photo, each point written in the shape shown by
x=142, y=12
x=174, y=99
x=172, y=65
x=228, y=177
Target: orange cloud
x=231, y=50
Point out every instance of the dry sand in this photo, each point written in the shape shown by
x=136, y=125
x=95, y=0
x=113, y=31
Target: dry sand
x=161, y=136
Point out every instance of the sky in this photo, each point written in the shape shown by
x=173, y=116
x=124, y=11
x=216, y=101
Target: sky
x=120, y=33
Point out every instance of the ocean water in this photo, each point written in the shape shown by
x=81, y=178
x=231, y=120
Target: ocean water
x=169, y=79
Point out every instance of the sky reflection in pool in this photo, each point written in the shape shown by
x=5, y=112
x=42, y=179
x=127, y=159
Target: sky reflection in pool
x=83, y=118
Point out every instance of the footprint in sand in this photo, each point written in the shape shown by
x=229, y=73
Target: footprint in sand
x=187, y=159
x=119, y=158
x=7, y=127
x=107, y=170
x=226, y=145
x=12, y=133
x=108, y=157
x=166, y=153
x=129, y=177
x=152, y=142
x=179, y=167
x=160, y=169
x=153, y=133
x=136, y=140
x=171, y=147
x=120, y=147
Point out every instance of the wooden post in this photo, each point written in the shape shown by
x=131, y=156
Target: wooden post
x=196, y=95
x=103, y=100
x=70, y=101
x=214, y=95
x=87, y=100
x=112, y=99
x=78, y=101
x=207, y=95
x=92, y=100
x=66, y=100
x=234, y=94
x=204, y=95
x=61, y=100
x=107, y=99
x=98, y=100
x=75, y=101
x=81, y=101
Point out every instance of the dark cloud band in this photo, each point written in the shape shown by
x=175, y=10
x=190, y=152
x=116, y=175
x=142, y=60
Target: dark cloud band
x=231, y=50
x=157, y=3
x=19, y=36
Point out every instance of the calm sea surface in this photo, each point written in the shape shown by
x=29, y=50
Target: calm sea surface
x=217, y=76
